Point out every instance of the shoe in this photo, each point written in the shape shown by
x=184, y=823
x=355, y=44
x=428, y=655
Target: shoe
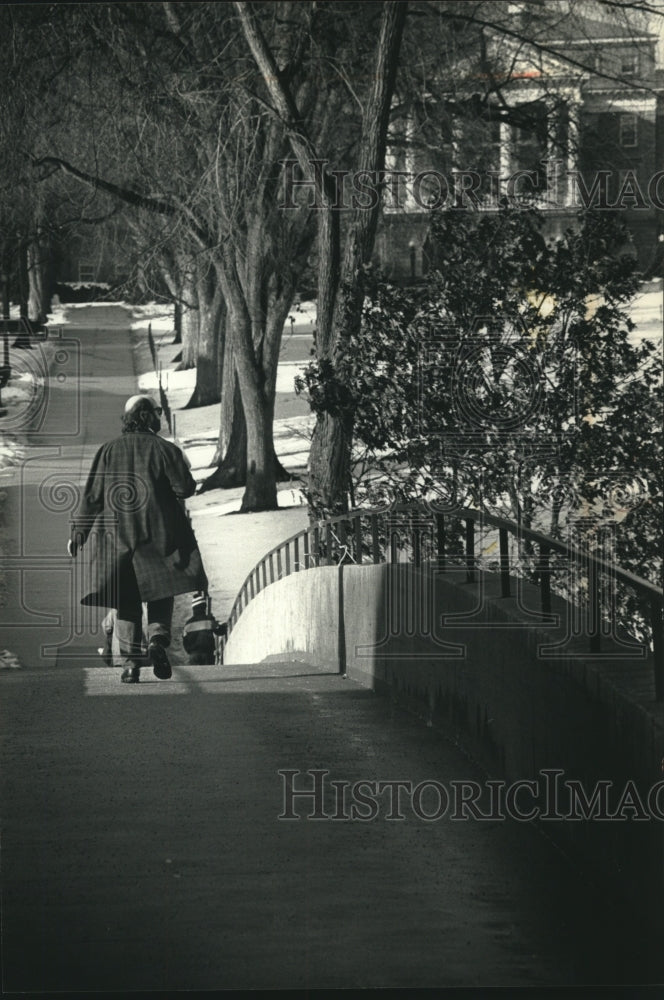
x=160, y=662
x=130, y=675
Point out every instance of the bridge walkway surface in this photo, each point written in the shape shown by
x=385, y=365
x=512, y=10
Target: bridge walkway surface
x=143, y=839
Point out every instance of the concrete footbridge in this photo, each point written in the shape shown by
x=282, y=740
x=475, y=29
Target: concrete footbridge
x=417, y=766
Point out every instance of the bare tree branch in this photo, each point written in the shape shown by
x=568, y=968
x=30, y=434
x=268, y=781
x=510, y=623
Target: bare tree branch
x=125, y=194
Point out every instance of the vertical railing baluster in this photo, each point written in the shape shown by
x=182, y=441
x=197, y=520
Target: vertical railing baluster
x=306, y=542
x=358, y=539
x=264, y=569
x=271, y=561
x=470, y=550
x=287, y=558
x=343, y=541
x=440, y=541
x=328, y=544
x=279, y=566
x=296, y=553
x=593, y=605
x=316, y=546
x=504, y=563
x=611, y=597
x=657, y=651
x=417, y=548
x=375, y=541
x=545, y=579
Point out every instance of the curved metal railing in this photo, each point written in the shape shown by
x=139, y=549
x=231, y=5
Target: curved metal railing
x=424, y=534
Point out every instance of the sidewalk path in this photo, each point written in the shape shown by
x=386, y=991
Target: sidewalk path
x=142, y=846
x=141, y=841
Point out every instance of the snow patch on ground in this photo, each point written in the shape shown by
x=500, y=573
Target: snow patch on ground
x=57, y=315
x=11, y=452
x=158, y=315
x=286, y=373
x=18, y=398
x=8, y=660
x=19, y=390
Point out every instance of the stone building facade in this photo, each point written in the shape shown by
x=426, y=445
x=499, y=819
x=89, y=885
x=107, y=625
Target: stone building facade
x=576, y=123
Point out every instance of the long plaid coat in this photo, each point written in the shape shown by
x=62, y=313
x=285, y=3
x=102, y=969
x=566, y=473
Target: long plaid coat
x=131, y=517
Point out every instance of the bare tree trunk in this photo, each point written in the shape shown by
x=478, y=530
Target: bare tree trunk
x=173, y=282
x=261, y=485
x=23, y=339
x=23, y=281
x=190, y=324
x=177, y=320
x=35, y=262
x=330, y=458
x=232, y=462
x=340, y=290
x=209, y=348
x=277, y=314
x=231, y=454
x=229, y=398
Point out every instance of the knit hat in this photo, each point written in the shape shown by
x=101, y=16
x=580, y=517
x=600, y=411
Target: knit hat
x=137, y=403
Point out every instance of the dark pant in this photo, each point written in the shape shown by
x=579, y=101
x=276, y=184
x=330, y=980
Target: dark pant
x=130, y=617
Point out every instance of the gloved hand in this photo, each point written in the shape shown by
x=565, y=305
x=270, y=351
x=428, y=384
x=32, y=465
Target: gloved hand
x=74, y=544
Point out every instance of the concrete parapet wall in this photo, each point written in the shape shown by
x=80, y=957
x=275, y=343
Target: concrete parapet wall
x=476, y=666
x=295, y=618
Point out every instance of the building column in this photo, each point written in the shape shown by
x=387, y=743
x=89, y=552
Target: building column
x=571, y=165
x=505, y=165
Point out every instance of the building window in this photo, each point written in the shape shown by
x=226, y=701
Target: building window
x=529, y=145
x=628, y=131
x=629, y=63
x=86, y=272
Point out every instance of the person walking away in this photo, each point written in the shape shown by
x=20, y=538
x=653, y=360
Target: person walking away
x=142, y=547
